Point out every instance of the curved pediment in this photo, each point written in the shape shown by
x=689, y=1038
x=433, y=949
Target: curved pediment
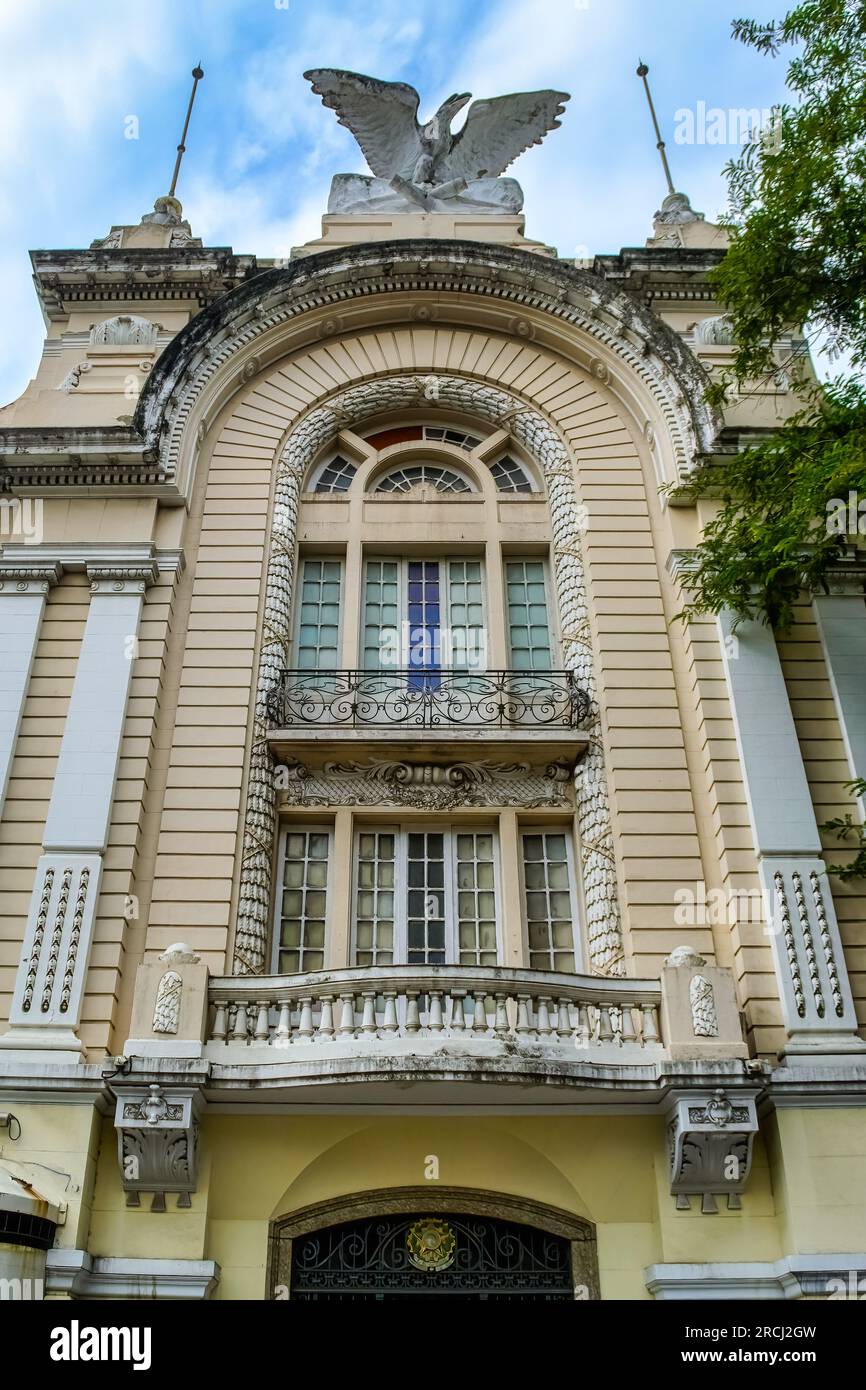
x=622, y=345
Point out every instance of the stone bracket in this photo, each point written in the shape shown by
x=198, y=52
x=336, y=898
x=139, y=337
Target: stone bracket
x=157, y=1142
x=710, y=1140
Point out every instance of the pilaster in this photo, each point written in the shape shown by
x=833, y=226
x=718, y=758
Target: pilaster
x=817, y=1004
x=841, y=620
x=46, y=1004
x=23, y=591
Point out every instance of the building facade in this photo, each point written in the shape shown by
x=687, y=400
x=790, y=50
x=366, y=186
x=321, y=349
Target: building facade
x=397, y=900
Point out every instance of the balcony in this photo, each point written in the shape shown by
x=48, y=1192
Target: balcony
x=423, y=1021
x=434, y=708
x=440, y=1034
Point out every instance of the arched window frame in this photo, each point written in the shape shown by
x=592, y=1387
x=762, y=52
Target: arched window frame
x=474, y=465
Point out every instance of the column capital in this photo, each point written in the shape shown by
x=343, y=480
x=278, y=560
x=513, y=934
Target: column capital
x=19, y=577
x=115, y=578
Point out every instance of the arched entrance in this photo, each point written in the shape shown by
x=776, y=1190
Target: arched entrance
x=418, y=1244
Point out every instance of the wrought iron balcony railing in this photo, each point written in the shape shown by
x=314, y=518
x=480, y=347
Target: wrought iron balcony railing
x=425, y=699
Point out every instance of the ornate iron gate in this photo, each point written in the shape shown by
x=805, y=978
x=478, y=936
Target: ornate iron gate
x=422, y=1256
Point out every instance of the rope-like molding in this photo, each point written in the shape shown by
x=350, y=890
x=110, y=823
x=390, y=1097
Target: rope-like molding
x=313, y=431
x=648, y=349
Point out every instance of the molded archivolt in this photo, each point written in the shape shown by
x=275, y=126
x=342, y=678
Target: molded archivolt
x=628, y=349
x=506, y=330
x=306, y=440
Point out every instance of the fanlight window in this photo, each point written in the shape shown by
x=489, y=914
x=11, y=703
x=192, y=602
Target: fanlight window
x=509, y=475
x=413, y=474
x=405, y=434
x=336, y=476
x=463, y=441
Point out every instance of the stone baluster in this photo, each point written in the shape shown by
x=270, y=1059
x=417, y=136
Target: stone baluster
x=563, y=1019
x=413, y=1017
x=458, y=1021
x=500, y=1021
x=524, y=1016
x=649, y=1013
x=583, y=1032
x=283, y=1032
x=368, y=1021
x=305, y=1024
x=325, y=1029
x=262, y=1028
x=435, y=1023
x=627, y=1028
x=543, y=1025
x=347, y=1016
x=390, y=1025
x=220, y=1023
x=605, y=1025
x=479, y=1012
x=240, y=1029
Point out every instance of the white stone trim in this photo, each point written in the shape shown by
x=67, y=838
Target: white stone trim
x=791, y=1277
x=808, y=956
x=46, y=1005
x=80, y=806
x=810, y=965
x=777, y=791
x=23, y=590
x=78, y=555
x=80, y=1275
x=841, y=622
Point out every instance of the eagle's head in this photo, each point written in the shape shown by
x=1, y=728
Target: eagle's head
x=449, y=108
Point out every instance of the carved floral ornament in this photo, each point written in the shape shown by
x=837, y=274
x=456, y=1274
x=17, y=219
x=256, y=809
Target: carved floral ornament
x=536, y=435
x=426, y=785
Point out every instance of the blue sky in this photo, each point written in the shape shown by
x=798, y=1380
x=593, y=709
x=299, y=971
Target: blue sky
x=262, y=149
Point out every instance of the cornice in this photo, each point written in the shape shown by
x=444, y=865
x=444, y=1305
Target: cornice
x=65, y=279
x=649, y=352
x=107, y=557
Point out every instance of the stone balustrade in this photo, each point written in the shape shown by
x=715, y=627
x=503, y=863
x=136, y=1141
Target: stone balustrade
x=372, y=1008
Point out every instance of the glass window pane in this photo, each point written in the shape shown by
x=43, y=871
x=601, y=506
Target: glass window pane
x=303, y=901
x=374, y=901
x=548, y=902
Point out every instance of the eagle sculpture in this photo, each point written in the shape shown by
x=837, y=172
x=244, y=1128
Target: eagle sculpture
x=425, y=164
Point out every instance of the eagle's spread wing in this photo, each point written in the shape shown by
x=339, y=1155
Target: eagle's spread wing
x=498, y=130
x=382, y=116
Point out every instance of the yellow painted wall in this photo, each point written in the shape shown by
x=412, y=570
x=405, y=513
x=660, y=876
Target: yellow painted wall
x=806, y=1193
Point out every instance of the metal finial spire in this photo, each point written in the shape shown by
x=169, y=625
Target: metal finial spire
x=197, y=74
x=642, y=71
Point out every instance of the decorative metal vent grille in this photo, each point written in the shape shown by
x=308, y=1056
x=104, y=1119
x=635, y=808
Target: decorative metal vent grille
x=378, y=1258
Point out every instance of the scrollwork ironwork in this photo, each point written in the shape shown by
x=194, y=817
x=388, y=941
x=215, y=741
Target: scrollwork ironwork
x=427, y=699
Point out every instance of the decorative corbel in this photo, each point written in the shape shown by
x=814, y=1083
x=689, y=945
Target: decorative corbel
x=710, y=1140
x=157, y=1139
